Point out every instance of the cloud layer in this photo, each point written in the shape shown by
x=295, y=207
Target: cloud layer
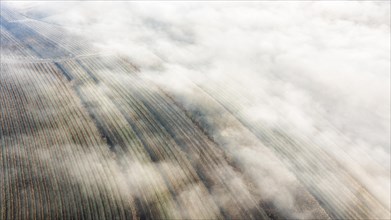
x=319, y=71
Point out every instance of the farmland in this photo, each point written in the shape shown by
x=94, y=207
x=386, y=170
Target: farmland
x=84, y=135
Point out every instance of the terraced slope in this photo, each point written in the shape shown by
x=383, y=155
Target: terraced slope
x=84, y=136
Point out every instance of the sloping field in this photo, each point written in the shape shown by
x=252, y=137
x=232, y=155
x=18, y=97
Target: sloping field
x=85, y=136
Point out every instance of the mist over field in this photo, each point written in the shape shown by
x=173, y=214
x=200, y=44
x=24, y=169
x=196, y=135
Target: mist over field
x=196, y=110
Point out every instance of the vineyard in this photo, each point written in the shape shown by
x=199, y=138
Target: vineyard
x=85, y=136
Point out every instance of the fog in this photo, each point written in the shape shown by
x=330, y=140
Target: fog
x=317, y=71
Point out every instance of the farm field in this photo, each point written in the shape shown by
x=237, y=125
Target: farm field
x=84, y=135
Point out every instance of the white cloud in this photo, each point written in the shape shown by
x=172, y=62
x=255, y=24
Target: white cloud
x=318, y=69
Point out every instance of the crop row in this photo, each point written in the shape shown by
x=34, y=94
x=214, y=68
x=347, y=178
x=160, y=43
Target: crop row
x=60, y=36
x=11, y=48
x=162, y=129
x=116, y=126
x=115, y=130
x=43, y=47
x=317, y=169
x=9, y=14
x=38, y=186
